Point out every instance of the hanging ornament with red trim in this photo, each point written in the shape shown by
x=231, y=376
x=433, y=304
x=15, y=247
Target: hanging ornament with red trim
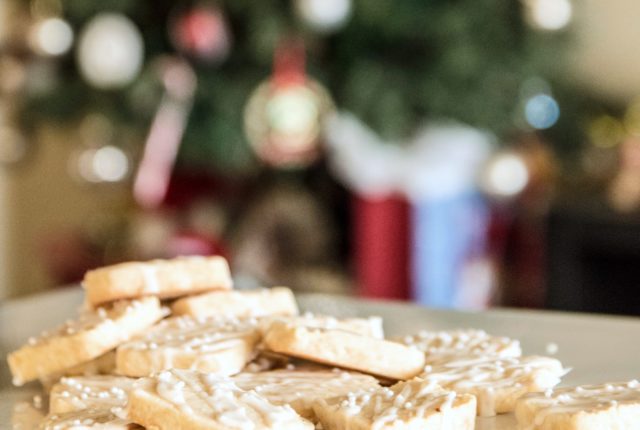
x=284, y=115
x=201, y=33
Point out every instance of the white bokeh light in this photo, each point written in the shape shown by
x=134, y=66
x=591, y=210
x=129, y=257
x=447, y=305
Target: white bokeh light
x=111, y=51
x=106, y=164
x=324, y=15
x=550, y=14
x=506, y=175
x=52, y=36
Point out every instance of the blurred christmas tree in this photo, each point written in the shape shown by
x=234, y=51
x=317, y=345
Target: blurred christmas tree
x=487, y=63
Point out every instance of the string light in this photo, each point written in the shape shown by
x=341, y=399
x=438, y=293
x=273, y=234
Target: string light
x=106, y=164
x=52, y=36
x=324, y=15
x=506, y=175
x=550, y=15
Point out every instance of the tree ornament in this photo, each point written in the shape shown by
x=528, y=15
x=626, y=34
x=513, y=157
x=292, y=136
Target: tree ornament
x=324, y=16
x=284, y=115
x=179, y=82
x=110, y=51
x=201, y=33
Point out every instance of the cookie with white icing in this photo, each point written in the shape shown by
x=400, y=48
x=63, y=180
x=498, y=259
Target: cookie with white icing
x=497, y=383
x=220, y=346
x=586, y=407
x=344, y=349
x=238, y=303
x=300, y=388
x=89, y=392
x=162, y=278
x=442, y=346
x=88, y=419
x=179, y=399
x=370, y=326
x=407, y=405
x=86, y=338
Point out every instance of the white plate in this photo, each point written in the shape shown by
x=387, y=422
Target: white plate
x=598, y=348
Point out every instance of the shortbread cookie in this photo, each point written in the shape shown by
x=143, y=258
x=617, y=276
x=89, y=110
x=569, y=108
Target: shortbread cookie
x=99, y=419
x=220, y=346
x=189, y=400
x=26, y=416
x=407, y=405
x=371, y=326
x=84, y=339
x=102, y=365
x=442, y=346
x=497, y=383
x=343, y=349
x=162, y=278
x=301, y=388
x=266, y=360
x=89, y=392
x=587, y=407
x=249, y=303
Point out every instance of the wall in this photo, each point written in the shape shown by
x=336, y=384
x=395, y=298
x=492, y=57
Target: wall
x=43, y=201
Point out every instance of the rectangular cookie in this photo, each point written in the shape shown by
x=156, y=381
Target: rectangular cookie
x=344, y=349
x=587, y=407
x=410, y=405
x=240, y=304
x=89, y=392
x=190, y=400
x=220, y=346
x=370, y=326
x=162, y=278
x=442, y=346
x=89, y=419
x=497, y=383
x=300, y=388
x=102, y=365
x=78, y=341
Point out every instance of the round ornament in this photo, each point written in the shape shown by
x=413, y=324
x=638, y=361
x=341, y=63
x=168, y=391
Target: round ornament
x=111, y=51
x=284, y=122
x=201, y=33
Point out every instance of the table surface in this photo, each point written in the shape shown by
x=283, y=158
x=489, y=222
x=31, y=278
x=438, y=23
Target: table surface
x=597, y=348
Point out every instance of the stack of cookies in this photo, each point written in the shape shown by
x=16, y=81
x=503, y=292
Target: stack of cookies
x=168, y=344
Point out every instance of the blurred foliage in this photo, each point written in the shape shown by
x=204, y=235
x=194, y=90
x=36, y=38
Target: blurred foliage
x=395, y=64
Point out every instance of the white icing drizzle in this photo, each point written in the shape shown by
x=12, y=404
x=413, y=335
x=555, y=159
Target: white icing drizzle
x=483, y=377
x=92, y=319
x=405, y=402
x=300, y=388
x=190, y=334
x=371, y=326
x=150, y=278
x=86, y=419
x=585, y=398
x=220, y=400
x=96, y=392
x=441, y=346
